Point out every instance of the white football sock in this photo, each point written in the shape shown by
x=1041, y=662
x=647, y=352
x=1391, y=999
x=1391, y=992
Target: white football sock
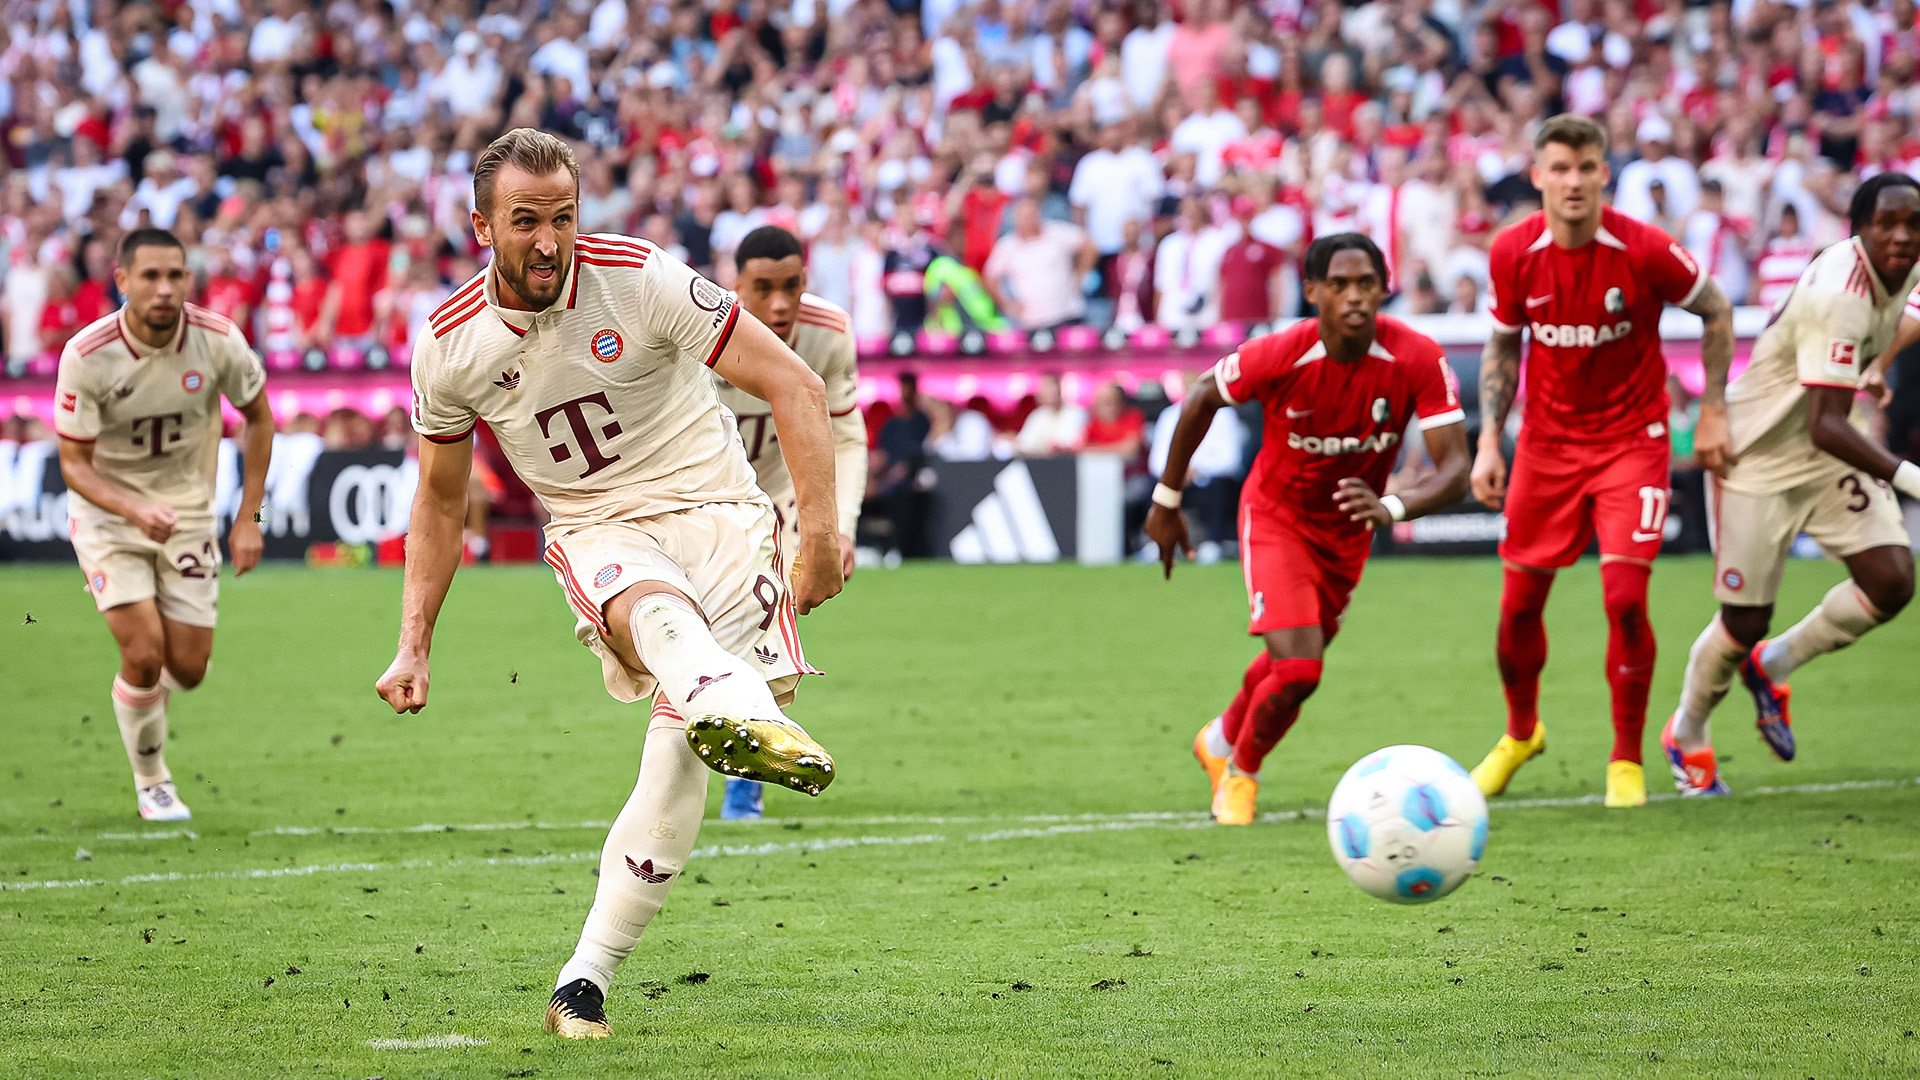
x=1216, y=737
x=1711, y=665
x=646, y=850
x=142, y=713
x=695, y=673
x=1842, y=617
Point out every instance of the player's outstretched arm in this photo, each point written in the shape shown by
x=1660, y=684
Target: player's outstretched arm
x=1827, y=411
x=1712, y=440
x=243, y=537
x=759, y=363
x=155, y=520
x=1446, y=485
x=433, y=554
x=1166, y=526
x=1499, y=381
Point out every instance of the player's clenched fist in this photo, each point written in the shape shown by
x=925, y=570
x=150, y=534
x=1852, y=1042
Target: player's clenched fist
x=817, y=576
x=155, y=520
x=1489, y=477
x=404, y=686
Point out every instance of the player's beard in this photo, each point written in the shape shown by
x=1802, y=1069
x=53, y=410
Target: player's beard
x=535, y=292
x=161, y=321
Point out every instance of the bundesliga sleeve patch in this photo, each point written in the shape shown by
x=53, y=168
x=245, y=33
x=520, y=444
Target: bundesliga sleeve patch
x=1841, y=356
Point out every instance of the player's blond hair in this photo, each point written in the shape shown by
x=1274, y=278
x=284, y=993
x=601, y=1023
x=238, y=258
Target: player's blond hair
x=527, y=149
x=1571, y=131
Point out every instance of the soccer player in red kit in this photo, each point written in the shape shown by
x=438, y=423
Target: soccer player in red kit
x=1589, y=285
x=1337, y=392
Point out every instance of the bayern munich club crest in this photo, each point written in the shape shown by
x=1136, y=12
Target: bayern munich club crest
x=99, y=582
x=606, y=346
x=192, y=381
x=1732, y=579
x=608, y=574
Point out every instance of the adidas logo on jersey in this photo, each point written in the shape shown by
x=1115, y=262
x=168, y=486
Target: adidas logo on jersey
x=508, y=380
x=1335, y=445
x=1565, y=335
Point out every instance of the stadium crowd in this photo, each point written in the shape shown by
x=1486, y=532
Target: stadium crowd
x=950, y=164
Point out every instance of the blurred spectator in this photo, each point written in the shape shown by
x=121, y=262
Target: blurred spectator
x=1633, y=195
x=963, y=434
x=359, y=271
x=1250, y=273
x=1054, y=426
x=1716, y=241
x=1035, y=272
x=1131, y=280
x=903, y=447
x=1783, y=257
x=1213, y=476
x=1114, y=427
x=1186, y=269
x=348, y=430
x=60, y=318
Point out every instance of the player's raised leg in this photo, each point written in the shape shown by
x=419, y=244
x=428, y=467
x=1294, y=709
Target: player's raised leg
x=1881, y=585
x=1292, y=675
x=1521, y=649
x=732, y=721
x=1213, y=744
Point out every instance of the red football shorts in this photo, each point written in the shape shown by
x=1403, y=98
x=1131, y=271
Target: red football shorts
x=1297, y=575
x=1561, y=495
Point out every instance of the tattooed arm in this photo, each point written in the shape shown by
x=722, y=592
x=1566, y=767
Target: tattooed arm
x=1712, y=443
x=1499, y=380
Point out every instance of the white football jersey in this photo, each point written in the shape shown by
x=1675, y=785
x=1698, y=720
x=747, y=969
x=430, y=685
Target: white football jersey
x=153, y=414
x=602, y=402
x=822, y=335
x=1838, y=317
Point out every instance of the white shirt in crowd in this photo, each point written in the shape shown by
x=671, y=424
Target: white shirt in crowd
x=1218, y=453
x=1048, y=431
x=1115, y=188
x=970, y=438
x=1780, y=266
x=1143, y=61
x=1206, y=136
x=1712, y=242
x=1039, y=273
x=1186, y=275
x=1633, y=195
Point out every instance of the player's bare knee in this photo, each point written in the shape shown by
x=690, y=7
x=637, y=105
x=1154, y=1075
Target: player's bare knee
x=140, y=663
x=1746, y=625
x=187, y=672
x=1892, y=593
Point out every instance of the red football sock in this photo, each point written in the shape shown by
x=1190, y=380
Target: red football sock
x=1274, y=707
x=1237, y=710
x=1630, y=653
x=1522, y=646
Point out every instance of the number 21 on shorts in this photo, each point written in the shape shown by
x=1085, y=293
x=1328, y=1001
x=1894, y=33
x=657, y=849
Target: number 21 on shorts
x=1653, y=514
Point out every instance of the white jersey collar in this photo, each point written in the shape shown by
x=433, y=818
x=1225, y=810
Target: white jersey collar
x=520, y=321
x=140, y=349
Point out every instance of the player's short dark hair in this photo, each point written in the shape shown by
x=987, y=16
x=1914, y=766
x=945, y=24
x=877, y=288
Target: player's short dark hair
x=139, y=238
x=1571, y=131
x=1867, y=196
x=766, y=242
x=527, y=149
x=1320, y=254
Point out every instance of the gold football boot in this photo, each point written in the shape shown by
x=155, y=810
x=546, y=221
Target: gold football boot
x=770, y=751
x=578, y=1011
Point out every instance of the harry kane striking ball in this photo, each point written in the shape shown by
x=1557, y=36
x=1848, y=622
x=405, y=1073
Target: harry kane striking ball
x=587, y=356
x=1803, y=466
x=772, y=288
x=1592, y=460
x=138, y=413
x=1337, y=392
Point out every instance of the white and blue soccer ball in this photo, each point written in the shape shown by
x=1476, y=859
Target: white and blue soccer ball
x=1407, y=824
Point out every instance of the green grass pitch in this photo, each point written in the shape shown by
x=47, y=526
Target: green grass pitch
x=1012, y=877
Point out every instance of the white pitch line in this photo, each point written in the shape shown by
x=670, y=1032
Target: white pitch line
x=431, y=1042
x=1036, y=825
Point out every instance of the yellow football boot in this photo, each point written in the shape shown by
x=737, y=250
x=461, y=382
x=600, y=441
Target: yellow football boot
x=775, y=751
x=578, y=1011
x=1626, y=784
x=1233, y=800
x=1497, y=769
x=1216, y=766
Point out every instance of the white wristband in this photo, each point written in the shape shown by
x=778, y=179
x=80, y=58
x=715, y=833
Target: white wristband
x=1166, y=496
x=1396, y=509
x=1906, y=479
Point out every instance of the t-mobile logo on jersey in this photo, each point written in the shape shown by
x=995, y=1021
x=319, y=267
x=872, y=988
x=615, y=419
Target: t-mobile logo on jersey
x=576, y=413
x=156, y=438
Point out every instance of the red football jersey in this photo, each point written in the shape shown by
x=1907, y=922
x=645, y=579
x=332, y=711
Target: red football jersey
x=1327, y=420
x=1594, y=370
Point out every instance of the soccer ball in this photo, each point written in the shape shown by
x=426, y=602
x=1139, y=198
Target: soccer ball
x=1407, y=824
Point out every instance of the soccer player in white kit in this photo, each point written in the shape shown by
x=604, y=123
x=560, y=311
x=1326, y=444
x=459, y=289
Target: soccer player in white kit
x=137, y=408
x=1803, y=466
x=587, y=356
x=772, y=287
